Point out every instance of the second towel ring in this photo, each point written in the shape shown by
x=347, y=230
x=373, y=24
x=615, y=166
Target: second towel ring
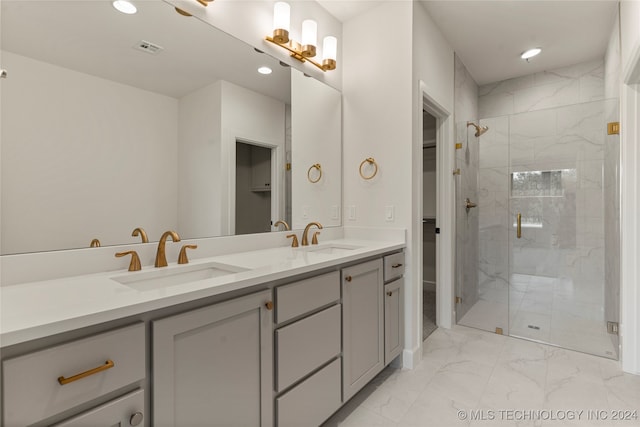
x=319, y=168
x=371, y=161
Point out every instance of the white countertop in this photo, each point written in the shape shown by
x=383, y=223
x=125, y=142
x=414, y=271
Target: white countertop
x=38, y=309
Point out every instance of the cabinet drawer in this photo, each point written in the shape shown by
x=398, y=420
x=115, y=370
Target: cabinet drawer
x=393, y=266
x=311, y=402
x=393, y=320
x=306, y=345
x=125, y=411
x=32, y=391
x=306, y=295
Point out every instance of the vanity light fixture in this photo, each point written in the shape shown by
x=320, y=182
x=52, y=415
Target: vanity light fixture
x=528, y=54
x=306, y=49
x=125, y=6
x=265, y=70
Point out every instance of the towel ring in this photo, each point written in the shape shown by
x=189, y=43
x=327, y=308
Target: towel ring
x=319, y=168
x=371, y=161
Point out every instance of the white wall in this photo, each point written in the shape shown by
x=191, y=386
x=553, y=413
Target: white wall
x=383, y=119
x=252, y=20
x=433, y=77
x=92, y=136
x=316, y=117
x=211, y=120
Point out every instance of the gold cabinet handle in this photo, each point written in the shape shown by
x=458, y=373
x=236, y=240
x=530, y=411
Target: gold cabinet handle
x=107, y=365
x=519, y=226
x=396, y=265
x=269, y=305
x=389, y=294
x=348, y=278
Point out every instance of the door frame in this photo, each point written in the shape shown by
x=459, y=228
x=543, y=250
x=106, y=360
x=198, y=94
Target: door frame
x=445, y=219
x=277, y=179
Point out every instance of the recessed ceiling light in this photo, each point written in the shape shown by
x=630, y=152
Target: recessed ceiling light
x=125, y=6
x=530, y=53
x=265, y=70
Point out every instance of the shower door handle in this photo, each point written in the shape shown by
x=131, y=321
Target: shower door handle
x=519, y=226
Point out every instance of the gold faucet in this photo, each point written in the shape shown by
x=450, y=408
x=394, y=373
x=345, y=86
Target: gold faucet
x=161, y=256
x=284, y=223
x=305, y=237
x=182, y=257
x=134, y=265
x=143, y=235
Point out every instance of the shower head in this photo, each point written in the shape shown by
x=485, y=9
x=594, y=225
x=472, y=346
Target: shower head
x=479, y=129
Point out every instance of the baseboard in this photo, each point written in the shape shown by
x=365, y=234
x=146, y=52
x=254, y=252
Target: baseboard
x=411, y=358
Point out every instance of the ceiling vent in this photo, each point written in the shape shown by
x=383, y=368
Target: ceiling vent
x=148, y=47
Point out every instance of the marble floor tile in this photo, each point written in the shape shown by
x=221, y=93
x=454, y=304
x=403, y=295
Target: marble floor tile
x=463, y=381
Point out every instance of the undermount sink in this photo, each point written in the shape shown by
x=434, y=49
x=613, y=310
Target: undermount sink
x=173, y=276
x=332, y=249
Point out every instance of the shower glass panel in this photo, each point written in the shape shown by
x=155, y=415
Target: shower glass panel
x=557, y=226
x=538, y=258
x=483, y=288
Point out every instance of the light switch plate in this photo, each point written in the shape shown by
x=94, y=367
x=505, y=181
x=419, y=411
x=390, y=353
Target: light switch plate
x=305, y=212
x=388, y=213
x=334, y=212
x=352, y=213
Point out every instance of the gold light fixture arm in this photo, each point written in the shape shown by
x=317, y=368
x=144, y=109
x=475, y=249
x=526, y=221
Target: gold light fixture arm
x=371, y=161
x=319, y=169
x=139, y=231
x=134, y=265
x=296, y=52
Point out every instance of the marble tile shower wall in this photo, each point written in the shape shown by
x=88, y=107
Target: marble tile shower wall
x=547, y=89
x=466, y=109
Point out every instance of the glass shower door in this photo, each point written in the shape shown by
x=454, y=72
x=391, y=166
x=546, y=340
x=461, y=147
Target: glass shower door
x=557, y=226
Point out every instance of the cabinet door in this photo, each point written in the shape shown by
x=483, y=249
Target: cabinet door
x=213, y=366
x=123, y=412
x=362, y=325
x=393, y=320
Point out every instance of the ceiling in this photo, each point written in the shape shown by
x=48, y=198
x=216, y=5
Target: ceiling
x=489, y=36
x=93, y=38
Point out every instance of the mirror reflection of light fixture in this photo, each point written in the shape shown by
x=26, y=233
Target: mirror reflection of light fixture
x=306, y=49
x=182, y=12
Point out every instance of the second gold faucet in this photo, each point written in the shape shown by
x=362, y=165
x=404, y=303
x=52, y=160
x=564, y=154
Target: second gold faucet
x=305, y=233
x=161, y=255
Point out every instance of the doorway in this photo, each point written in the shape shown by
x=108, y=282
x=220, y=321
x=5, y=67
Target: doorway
x=253, y=188
x=429, y=198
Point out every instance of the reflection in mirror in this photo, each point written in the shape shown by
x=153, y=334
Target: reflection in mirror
x=106, y=130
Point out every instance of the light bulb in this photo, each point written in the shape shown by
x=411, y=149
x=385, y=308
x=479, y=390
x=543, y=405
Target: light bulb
x=281, y=21
x=309, y=38
x=329, y=53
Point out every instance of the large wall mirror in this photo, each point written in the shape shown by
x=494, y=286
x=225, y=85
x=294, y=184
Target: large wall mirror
x=154, y=120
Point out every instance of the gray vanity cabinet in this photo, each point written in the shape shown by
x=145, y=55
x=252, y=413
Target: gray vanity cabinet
x=213, y=366
x=123, y=412
x=362, y=325
x=393, y=320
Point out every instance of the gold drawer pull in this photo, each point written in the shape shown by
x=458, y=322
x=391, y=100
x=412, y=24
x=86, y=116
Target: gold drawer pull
x=396, y=265
x=107, y=365
x=348, y=278
x=269, y=305
x=389, y=294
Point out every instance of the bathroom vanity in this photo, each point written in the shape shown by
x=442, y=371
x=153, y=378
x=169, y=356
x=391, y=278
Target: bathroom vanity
x=274, y=337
